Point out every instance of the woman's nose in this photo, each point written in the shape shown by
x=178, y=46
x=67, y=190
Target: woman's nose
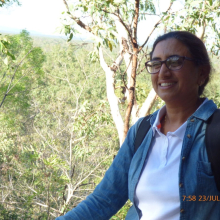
x=164, y=70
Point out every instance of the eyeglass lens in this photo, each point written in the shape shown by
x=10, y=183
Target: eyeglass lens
x=172, y=63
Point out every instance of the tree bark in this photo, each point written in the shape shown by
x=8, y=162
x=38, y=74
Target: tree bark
x=112, y=98
x=133, y=71
x=148, y=104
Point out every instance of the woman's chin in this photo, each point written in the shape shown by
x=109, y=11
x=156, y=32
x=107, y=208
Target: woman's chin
x=169, y=98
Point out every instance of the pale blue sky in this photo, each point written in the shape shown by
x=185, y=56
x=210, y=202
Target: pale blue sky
x=42, y=16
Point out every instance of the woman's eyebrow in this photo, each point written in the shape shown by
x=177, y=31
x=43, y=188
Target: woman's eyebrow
x=156, y=58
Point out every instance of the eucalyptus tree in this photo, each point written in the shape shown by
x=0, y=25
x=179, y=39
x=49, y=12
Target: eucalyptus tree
x=4, y=43
x=115, y=23
x=20, y=73
x=19, y=79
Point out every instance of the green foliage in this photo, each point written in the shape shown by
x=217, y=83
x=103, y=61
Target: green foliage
x=196, y=15
x=58, y=144
x=4, y=49
x=102, y=24
x=212, y=90
x=5, y=215
x=19, y=77
x=6, y=3
x=122, y=212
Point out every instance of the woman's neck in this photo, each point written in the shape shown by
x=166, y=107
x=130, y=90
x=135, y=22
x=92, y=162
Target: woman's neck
x=177, y=114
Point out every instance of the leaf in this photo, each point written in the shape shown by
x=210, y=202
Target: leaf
x=6, y=61
x=92, y=9
x=110, y=45
x=167, y=18
x=195, y=3
x=11, y=55
x=67, y=29
x=70, y=37
x=1, y=46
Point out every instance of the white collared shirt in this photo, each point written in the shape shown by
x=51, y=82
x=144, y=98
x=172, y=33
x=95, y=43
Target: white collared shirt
x=157, y=192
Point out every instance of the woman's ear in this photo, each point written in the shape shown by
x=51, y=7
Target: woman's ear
x=203, y=74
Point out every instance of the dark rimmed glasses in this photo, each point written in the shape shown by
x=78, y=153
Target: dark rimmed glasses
x=174, y=62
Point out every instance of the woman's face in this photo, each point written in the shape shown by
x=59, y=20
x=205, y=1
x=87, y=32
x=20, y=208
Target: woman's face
x=179, y=85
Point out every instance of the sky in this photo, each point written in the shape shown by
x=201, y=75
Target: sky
x=43, y=17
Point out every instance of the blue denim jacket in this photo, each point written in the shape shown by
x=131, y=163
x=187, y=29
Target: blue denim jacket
x=197, y=188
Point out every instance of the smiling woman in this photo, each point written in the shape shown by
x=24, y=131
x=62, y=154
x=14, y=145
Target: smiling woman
x=180, y=86
x=171, y=164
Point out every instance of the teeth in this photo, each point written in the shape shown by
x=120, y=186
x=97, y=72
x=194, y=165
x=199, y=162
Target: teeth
x=166, y=84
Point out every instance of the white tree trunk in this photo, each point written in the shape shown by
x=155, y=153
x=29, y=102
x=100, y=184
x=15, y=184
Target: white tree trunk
x=112, y=98
x=147, y=105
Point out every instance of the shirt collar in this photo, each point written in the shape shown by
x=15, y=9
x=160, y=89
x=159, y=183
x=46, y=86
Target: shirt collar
x=156, y=124
x=181, y=130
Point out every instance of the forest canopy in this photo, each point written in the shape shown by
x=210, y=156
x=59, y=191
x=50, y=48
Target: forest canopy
x=57, y=117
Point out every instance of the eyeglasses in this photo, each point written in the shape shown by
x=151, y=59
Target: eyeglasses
x=174, y=62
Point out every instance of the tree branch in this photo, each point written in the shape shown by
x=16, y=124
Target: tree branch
x=46, y=206
x=12, y=78
x=77, y=20
x=148, y=104
x=135, y=21
x=155, y=26
x=112, y=98
x=122, y=22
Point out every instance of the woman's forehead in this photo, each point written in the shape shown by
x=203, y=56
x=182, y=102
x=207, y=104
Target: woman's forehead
x=169, y=47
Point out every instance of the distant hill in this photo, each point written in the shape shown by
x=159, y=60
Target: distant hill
x=10, y=31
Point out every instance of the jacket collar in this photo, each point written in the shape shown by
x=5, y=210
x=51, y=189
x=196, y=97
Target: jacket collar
x=203, y=113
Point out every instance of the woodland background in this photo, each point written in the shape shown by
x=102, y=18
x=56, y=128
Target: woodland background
x=57, y=134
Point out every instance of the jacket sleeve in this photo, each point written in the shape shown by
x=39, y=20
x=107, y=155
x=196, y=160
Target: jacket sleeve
x=112, y=192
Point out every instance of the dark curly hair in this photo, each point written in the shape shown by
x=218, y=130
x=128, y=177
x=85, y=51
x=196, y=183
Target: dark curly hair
x=196, y=48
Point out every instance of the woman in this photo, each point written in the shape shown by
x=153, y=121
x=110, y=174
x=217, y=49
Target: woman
x=170, y=172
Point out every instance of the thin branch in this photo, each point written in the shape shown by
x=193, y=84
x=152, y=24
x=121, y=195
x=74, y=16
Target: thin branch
x=135, y=21
x=3, y=76
x=123, y=75
x=148, y=14
x=140, y=61
x=155, y=26
x=141, y=70
x=17, y=81
x=77, y=20
x=82, y=180
x=46, y=206
x=44, y=139
x=12, y=78
x=122, y=22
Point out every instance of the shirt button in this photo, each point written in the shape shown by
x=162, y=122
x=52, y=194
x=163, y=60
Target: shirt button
x=182, y=210
x=183, y=158
x=180, y=185
x=192, y=120
x=188, y=135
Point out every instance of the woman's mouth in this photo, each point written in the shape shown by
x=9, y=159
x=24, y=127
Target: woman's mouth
x=166, y=84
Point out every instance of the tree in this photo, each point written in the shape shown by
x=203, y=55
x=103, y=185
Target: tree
x=114, y=23
x=4, y=43
x=19, y=78
x=6, y=3
x=55, y=154
x=20, y=75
